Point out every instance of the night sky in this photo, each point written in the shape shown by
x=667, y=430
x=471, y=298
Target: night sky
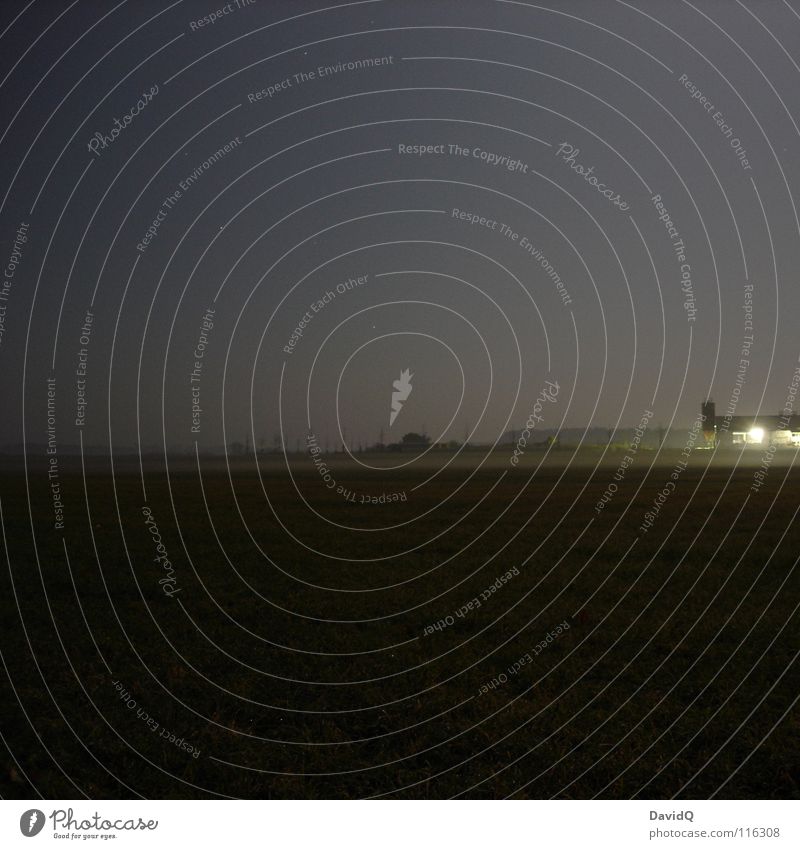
x=488, y=169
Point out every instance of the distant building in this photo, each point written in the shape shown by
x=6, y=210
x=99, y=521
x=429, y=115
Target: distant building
x=780, y=430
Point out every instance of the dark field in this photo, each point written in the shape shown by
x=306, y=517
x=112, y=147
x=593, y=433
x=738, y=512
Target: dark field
x=297, y=674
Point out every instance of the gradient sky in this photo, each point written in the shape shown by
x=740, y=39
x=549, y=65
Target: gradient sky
x=317, y=192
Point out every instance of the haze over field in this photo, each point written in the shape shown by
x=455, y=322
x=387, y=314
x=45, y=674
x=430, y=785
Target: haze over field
x=400, y=401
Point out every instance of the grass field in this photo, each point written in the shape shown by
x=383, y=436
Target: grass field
x=295, y=649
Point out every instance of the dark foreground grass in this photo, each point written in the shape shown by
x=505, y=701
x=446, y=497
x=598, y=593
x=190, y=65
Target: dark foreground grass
x=297, y=656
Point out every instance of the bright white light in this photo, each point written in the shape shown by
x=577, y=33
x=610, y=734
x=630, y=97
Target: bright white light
x=756, y=434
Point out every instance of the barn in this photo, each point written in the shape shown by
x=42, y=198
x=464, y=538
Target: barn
x=760, y=430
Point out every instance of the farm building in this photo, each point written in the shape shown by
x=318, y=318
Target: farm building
x=780, y=430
